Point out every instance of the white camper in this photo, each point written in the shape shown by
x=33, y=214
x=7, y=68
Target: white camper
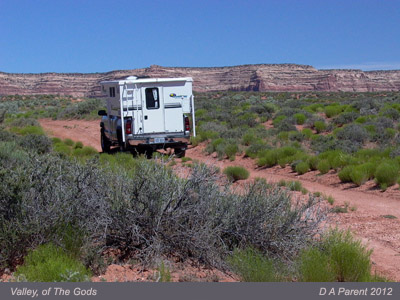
x=146, y=114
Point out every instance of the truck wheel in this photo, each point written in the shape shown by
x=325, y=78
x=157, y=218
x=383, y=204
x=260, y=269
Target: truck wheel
x=179, y=152
x=105, y=142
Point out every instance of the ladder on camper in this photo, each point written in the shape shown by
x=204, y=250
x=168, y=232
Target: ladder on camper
x=131, y=101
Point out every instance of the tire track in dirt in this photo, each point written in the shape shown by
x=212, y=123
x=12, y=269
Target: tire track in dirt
x=367, y=221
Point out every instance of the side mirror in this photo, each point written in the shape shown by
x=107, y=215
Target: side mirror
x=102, y=113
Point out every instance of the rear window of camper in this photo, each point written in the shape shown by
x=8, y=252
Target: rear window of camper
x=152, y=98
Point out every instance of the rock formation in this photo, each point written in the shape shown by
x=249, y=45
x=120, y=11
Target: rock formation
x=272, y=77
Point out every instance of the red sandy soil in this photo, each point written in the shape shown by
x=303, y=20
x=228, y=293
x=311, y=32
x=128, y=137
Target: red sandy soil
x=367, y=204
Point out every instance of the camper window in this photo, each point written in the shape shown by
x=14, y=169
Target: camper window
x=112, y=91
x=152, y=98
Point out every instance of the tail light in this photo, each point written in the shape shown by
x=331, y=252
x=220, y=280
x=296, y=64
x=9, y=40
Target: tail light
x=128, y=126
x=187, y=124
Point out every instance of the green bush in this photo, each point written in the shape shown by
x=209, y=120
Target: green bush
x=278, y=120
x=302, y=168
x=69, y=142
x=386, y=174
x=313, y=162
x=315, y=266
x=231, y=150
x=78, y=145
x=323, y=166
x=253, y=150
x=33, y=142
x=28, y=130
x=49, y=263
x=360, y=174
x=307, y=132
x=294, y=186
x=236, y=173
x=252, y=266
x=249, y=138
x=345, y=174
x=300, y=118
x=56, y=140
x=338, y=257
x=269, y=159
x=62, y=149
x=319, y=126
x=333, y=110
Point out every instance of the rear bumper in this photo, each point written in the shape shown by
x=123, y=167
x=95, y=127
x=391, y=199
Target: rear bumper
x=159, y=140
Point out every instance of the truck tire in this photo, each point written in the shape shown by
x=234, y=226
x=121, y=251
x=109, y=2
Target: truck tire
x=180, y=152
x=105, y=142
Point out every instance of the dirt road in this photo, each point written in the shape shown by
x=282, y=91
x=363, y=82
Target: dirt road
x=372, y=215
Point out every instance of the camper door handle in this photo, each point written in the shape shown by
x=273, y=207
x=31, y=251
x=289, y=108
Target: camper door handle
x=145, y=117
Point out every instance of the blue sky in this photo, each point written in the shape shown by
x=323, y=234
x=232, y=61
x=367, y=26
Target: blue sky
x=96, y=36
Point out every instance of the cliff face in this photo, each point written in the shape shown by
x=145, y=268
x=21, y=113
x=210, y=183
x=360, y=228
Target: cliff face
x=279, y=77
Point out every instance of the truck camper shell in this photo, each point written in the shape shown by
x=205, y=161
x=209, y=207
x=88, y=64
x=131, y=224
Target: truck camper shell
x=151, y=113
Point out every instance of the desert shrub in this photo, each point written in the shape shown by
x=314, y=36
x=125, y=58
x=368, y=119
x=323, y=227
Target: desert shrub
x=361, y=119
x=386, y=174
x=299, y=118
x=345, y=174
x=38, y=143
x=249, y=138
x=195, y=140
x=296, y=136
x=88, y=151
x=278, y=120
x=313, y=162
x=23, y=122
x=286, y=125
x=236, y=173
x=56, y=140
x=294, y=186
x=40, y=194
x=268, y=159
x=391, y=113
x=333, y=110
x=140, y=212
x=307, y=132
x=345, y=118
x=62, y=149
x=314, y=266
x=69, y=142
x=78, y=145
x=255, y=148
x=230, y=150
x=338, y=257
x=2, y=115
x=354, y=133
x=314, y=107
x=49, y=263
x=6, y=136
x=323, y=166
x=211, y=217
x=302, y=168
x=79, y=110
x=339, y=160
x=283, y=135
x=30, y=129
x=359, y=174
x=319, y=126
x=286, y=151
x=252, y=266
